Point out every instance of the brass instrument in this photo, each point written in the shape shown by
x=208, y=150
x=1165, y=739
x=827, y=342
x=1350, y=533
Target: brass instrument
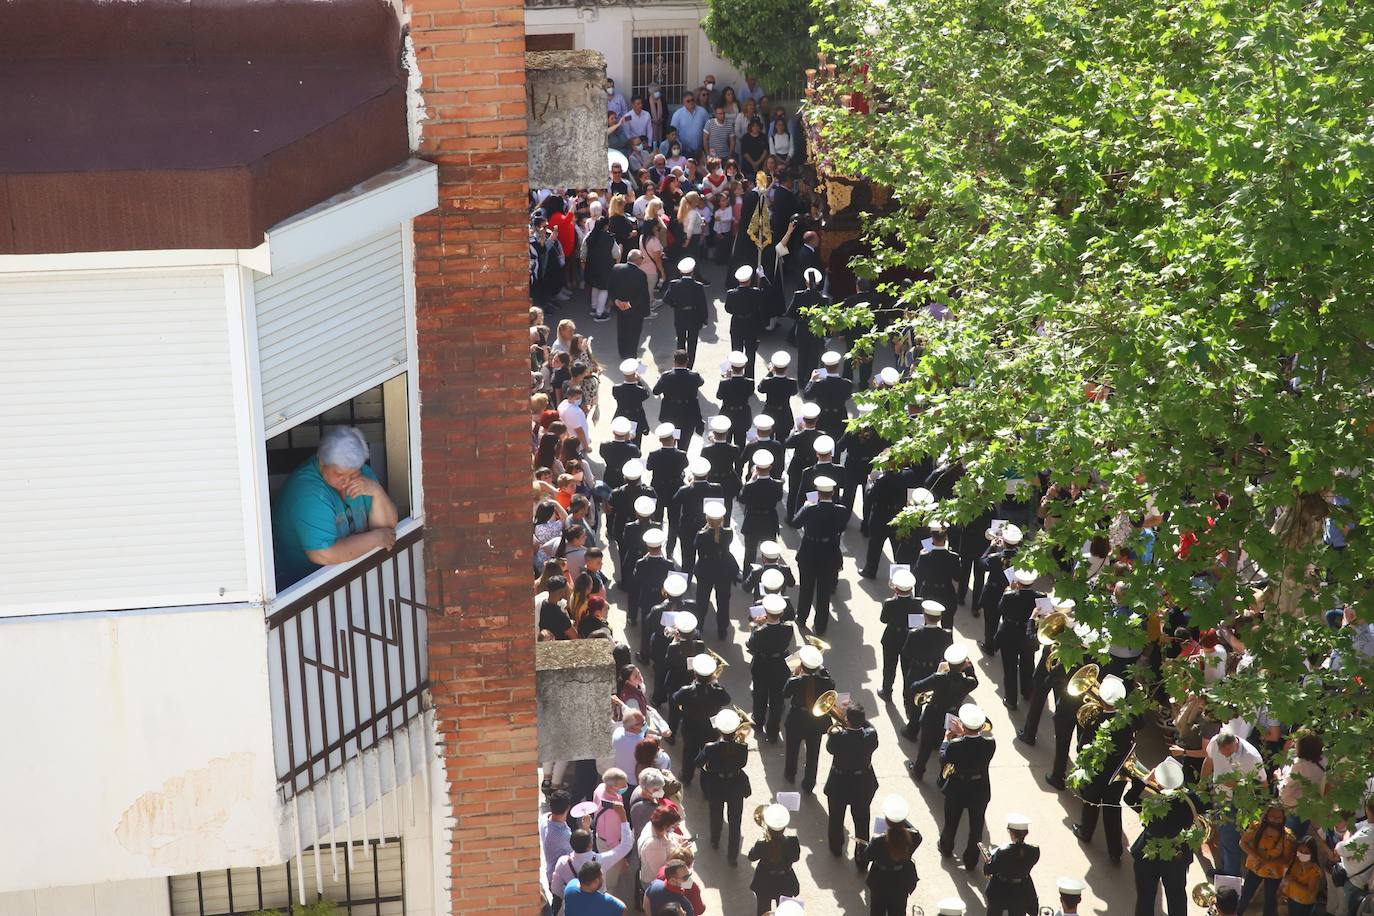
x=817, y=642
x=828, y=704
x=985, y=852
x=1205, y=896
x=746, y=726
x=1189, y=713
x=721, y=664
x=1131, y=768
x=1047, y=633
x=758, y=816
x=923, y=697
x=1084, y=684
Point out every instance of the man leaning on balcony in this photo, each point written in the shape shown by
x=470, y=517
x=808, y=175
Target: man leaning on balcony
x=331, y=510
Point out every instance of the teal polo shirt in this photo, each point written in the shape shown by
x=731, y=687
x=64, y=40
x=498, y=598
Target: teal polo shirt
x=311, y=515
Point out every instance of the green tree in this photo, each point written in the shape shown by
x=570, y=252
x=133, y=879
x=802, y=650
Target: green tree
x=1151, y=225
x=768, y=39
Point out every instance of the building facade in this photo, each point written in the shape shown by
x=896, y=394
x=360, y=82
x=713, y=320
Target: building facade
x=227, y=229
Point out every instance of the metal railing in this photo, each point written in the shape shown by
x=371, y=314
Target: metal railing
x=347, y=664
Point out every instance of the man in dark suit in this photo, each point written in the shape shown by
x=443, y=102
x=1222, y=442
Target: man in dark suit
x=629, y=290
x=808, y=257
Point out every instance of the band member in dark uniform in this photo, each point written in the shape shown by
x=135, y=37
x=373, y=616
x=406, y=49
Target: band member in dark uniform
x=623, y=500
x=764, y=441
x=690, y=504
x=937, y=574
x=770, y=558
x=996, y=560
x=964, y=760
x=777, y=389
x=747, y=306
x=686, y=296
x=667, y=465
x=857, y=449
x=734, y=393
x=674, y=588
x=1051, y=677
x=723, y=455
x=630, y=396
x=716, y=569
x=922, y=652
x=1168, y=870
x=809, y=344
x=774, y=855
x=724, y=782
x=630, y=543
x=802, y=443
x=617, y=452
x=886, y=497
x=801, y=691
x=895, y=617
x=832, y=392
x=650, y=571
x=1011, y=892
x=696, y=704
x=678, y=389
x=1013, y=638
x=819, y=558
x=891, y=873
x=852, y=782
x=769, y=645
x=674, y=655
x=1102, y=796
x=759, y=499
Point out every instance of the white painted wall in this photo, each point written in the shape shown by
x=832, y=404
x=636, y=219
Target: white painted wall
x=139, y=745
x=147, y=897
x=609, y=30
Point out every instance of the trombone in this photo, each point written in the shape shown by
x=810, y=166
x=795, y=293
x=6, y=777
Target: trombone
x=1084, y=685
x=828, y=704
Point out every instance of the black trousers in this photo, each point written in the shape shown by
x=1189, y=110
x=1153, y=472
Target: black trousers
x=693, y=740
x=1251, y=886
x=628, y=332
x=892, y=656
x=968, y=567
x=956, y=803
x=1017, y=900
x=687, y=543
x=887, y=903
x=1150, y=874
x=858, y=810
x=1018, y=666
x=932, y=732
x=720, y=585
x=796, y=736
x=1106, y=804
x=687, y=340
x=768, y=706
x=878, y=533
x=817, y=584
x=748, y=345
x=721, y=809
x=992, y=619
x=1065, y=724
x=1041, y=687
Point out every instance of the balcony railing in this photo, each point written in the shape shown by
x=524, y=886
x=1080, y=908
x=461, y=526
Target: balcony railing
x=347, y=665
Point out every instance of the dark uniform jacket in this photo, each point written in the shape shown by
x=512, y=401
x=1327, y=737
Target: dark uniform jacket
x=676, y=654
x=823, y=524
x=615, y=453
x=966, y=759
x=937, y=577
x=734, y=393
x=623, y=505
x=649, y=572
x=832, y=393
x=698, y=702
x=887, y=497
x=756, y=571
x=996, y=560
x=746, y=305
x=629, y=402
x=715, y=562
x=722, y=765
x=889, y=872
x=690, y=501
x=801, y=692
x=776, y=391
x=760, y=498
x=773, y=875
x=851, y=767
x=922, y=651
x=894, y=616
x=769, y=647
x=678, y=390
x=802, y=443
x=1017, y=606
x=666, y=467
x=630, y=284
x=723, y=456
x=832, y=469
x=770, y=445
x=1009, y=869
x=687, y=298
x=857, y=450
x=1165, y=826
x=948, y=689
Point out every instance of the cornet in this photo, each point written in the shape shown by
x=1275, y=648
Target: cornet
x=1084, y=684
x=828, y=704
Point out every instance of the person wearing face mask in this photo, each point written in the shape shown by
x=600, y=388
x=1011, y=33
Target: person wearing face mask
x=614, y=100
x=1269, y=849
x=1303, y=880
x=714, y=96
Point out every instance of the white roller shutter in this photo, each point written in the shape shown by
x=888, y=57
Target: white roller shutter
x=117, y=406
x=330, y=329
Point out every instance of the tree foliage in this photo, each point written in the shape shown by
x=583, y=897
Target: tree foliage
x=1166, y=206
x=767, y=39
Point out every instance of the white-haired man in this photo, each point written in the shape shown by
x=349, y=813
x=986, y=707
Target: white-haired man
x=331, y=510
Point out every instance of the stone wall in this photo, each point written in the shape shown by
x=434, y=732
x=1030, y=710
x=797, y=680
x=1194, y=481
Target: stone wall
x=566, y=100
x=574, y=683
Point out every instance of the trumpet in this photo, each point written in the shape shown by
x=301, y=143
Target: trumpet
x=828, y=704
x=746, y=726
x=1205, y=896
x=1085, y=684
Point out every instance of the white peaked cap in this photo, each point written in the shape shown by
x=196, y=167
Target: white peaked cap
x=699, y=467
x=831, y=358
x=621, y=426
x=772, y=579
x=654, y=537
x=824, y=445
x=762, y=459
x=714, y=510
x=951, y=906
x=866, y=409
x=1063, y=604
x=633, y=469
x=781, y=359
x=743, y=272
x=932, y=608
x=725, y=721
x=675, y=585
x=774, y=604
x=703, y=665
x=1113, y=690
x=903, y=580
x=812, y=274
x=1025, y=576
x=720, y=424
x=686, y=623
x=971, y=716
x=686, y=266
x=789, y=908
x=738, y=359
x=824, y=485
x=1169, y=774
x=763, y=422
x=771, y=549
x=776, y=817
x=956, y=654
x=1011, y=534
x=810, y=410
x=890, y=376
x=665, y=430
x=1018, y=821
x=922, y=497
x=629, y=366
x=810, y=657
x=895, y=809
x=645, y=505
x=1070, y=887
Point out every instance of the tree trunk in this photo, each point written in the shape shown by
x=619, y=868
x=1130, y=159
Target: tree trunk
x=1297, y=528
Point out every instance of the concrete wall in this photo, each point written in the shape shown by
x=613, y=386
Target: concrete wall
x=566, y=97
x=137, y=745
x=610, y=29
x=147, y=897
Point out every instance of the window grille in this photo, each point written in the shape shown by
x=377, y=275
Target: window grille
x=661, y=60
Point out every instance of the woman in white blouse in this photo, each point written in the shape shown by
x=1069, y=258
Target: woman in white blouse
x=780, y=141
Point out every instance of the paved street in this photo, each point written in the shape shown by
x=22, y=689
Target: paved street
x=830, y=885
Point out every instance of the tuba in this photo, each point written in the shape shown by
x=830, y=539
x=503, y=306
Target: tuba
x=1084, y=685
x=828, y=704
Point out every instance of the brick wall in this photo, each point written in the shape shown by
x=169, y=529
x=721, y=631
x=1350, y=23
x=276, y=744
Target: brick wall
x=471, y=279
